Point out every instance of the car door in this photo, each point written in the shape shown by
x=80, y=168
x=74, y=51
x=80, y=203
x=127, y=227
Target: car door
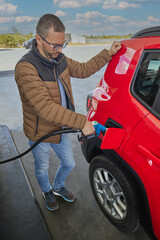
x=142, y=151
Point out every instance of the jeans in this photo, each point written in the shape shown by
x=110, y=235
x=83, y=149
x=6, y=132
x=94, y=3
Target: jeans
x=41, y=162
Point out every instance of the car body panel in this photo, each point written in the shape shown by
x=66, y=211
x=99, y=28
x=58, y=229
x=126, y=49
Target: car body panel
x=109, y=93
x=142, y=152
x=114, y=99
x=28, y=44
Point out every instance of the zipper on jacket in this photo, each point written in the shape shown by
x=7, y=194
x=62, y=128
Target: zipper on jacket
x=55, y=74
x=67, y=87
x=61, y=78
x=37, y=125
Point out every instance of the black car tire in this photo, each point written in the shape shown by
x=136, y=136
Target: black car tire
x=114, y=193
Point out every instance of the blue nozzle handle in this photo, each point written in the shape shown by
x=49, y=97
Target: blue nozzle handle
x=98, y=127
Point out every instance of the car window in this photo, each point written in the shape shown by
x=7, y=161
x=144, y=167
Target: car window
x=147, y=83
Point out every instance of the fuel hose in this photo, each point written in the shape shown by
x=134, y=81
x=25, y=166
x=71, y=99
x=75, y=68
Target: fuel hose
x=65, y=130
x=98, y=128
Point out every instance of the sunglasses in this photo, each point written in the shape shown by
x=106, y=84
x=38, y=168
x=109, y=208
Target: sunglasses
x=55, y=47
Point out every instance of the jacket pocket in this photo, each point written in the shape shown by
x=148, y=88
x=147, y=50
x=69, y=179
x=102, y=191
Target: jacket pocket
x=37, y=122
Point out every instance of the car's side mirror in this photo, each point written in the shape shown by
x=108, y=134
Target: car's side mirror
x=113, y=138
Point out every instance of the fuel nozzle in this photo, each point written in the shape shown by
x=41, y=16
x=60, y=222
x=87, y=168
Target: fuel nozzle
x=98, y=128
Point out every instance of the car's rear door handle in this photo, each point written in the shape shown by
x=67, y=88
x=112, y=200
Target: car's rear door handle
x=149, y=155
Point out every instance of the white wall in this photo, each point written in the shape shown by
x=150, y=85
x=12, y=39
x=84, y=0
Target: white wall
x=77, y=38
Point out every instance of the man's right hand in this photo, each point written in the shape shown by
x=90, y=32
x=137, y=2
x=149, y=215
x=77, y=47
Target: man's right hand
x=88, y=128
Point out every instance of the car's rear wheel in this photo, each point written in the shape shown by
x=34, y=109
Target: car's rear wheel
x=114, y=193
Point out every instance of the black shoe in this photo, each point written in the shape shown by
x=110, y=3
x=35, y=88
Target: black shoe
x=64, y=193
x=50, y=201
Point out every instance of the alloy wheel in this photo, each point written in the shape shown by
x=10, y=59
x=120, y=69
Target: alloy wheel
x=110, y=194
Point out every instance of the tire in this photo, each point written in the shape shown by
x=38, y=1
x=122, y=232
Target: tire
x=114, y=194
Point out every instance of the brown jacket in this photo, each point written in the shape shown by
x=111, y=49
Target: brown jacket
x=40, y=96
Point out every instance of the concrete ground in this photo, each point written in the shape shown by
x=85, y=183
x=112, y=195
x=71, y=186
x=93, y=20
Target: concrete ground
x=81, y=220
x=20, y=217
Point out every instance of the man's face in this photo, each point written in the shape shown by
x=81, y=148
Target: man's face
x=54, y=38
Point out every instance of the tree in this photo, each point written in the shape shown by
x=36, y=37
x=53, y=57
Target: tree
x=14, y=29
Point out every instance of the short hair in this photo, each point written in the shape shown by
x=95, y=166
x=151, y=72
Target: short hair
x=48, y=21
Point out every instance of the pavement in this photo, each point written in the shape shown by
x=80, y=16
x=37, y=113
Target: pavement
x=19, y=218
x=22, y=208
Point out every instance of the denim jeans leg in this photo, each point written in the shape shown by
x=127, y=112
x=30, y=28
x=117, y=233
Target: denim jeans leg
x=67, y=163
x=41, y=162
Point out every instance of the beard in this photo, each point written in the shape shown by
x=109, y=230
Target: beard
x=49, y=55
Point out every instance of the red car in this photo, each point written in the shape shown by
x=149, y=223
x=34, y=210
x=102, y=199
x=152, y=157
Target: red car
x=125, y=161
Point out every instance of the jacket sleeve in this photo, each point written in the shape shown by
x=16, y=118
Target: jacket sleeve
x=34, y=93
x=84, y=70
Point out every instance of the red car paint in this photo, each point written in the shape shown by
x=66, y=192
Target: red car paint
x=113, y=98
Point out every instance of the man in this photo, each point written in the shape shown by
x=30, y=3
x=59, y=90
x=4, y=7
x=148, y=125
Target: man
x=43, y=79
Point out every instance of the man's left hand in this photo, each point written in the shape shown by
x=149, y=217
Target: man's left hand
x=114, y=48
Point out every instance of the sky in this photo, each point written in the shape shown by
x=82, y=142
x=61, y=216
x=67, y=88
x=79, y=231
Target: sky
x=83, y=17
